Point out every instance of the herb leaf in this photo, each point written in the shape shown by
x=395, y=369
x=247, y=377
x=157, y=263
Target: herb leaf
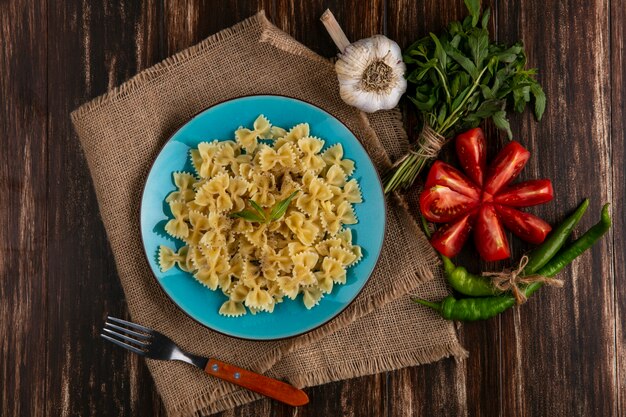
x=280, y=208
x=453, y=74
x=258, y=209
x=540, y=99
x=499, y=119
x=248, y=215
x=474, y=8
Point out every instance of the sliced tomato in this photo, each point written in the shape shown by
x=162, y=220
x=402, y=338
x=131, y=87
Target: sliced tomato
x=527, y=193
x=489, y=236
x=524, y=225
x=443, y=174
x=471, y=150
x=450, y=238
x=506, y=167
x=440, y=204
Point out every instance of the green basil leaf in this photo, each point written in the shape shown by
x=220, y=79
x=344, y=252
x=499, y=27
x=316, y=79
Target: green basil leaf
x=443, y=112
x=485, y=20
x=280, y=208
x=479, y=43
x=540, y=99
x=473, y=6
x=259, y=209
x=487, y=93
x=424, y=105
x=499, y=119
x=509, y=55
x=457, y=101
x=248, y=215
x=463, y=61
x=440, y=54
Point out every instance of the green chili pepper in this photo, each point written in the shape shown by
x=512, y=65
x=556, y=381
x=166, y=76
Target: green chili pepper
x=471, y=309
x=567, y=255
x=542, y=254
x=465, y=282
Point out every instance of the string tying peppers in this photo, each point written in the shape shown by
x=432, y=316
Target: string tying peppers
x=471, y=309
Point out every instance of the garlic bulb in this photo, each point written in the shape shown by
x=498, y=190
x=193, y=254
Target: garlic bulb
x=370, y=71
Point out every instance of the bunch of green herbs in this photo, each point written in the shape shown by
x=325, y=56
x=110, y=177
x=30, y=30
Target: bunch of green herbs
x=459, y=79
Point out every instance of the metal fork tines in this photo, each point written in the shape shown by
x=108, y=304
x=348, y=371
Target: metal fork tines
x=146, y=342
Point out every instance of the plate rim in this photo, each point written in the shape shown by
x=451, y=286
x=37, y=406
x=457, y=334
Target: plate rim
x=145, y=249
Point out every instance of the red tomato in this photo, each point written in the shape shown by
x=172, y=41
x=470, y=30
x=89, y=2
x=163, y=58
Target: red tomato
x=443, y=174
x=471, y=150
x=506, y=167
x=440, y=204
x=450, y=238
x=489, y=236
x=526, y=226
x=527, y=193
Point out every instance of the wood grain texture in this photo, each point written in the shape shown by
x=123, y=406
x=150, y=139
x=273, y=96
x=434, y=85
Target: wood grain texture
x=561, y=354
x=23, y=154
x=93, y=46
x=617, y=64
x=551, y=336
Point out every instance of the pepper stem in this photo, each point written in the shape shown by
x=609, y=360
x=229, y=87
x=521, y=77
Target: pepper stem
x=434, y=306
x=334, y=30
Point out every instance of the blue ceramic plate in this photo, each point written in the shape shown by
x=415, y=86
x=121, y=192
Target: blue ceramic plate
x=290, y=318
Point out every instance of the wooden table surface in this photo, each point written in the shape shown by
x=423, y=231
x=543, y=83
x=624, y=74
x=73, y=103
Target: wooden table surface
x=562, y=354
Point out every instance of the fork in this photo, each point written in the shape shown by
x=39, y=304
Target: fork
x=152, y=344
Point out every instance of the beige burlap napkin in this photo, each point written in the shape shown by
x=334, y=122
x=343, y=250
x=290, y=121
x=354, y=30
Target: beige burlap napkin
x=121, y=133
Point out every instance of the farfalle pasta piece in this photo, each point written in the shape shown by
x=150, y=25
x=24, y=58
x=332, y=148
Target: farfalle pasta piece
x=280, y=259
x=334, y=156
x=215, y=267
x=177, y=227
x=282, y=158
x=258, y=298
x=168, y=258
x=248, y=139
x=229, y=155
x=334, y=269
x=324, y=247
x=303, y=264
x=261, y=189
x=295, y=133
x=215, y=236
x=232, y=308
x=199, y=225
x=351, y=192
x=214, y=193
x=257, y=236
x=277, y=132
x=206, y=164
x=310, y=147
x=344, y=256
x=305, y=230
x=239, y=292
x=237, y=188
x=289, y=286
x=345, y=212
x=311, y=297
x=184, y=184
x=316, y=192
x=335, y=176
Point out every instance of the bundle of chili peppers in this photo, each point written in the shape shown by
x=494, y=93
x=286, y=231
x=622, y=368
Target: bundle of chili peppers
x=483, y=301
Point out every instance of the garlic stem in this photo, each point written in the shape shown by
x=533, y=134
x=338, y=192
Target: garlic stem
x=334, y=30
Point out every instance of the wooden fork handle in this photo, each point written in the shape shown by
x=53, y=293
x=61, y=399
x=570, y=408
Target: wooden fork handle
x=261, y=384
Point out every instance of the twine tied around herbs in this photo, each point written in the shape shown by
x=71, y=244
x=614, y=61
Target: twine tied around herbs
x=429, y=143
x=510, y=279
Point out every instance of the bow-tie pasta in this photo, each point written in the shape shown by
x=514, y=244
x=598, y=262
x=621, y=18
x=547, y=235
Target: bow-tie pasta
x=263, y=217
